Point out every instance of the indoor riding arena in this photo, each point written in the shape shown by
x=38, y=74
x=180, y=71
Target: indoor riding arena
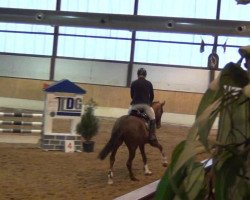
x=59, y=52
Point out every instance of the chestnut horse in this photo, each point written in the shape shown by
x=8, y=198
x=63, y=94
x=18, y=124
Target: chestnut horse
x=133, y=131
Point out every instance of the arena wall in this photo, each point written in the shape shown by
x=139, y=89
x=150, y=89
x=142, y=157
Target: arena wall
x=180, y=104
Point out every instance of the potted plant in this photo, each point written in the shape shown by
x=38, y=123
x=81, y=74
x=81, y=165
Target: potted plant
x=228, y=99
x=88, y=126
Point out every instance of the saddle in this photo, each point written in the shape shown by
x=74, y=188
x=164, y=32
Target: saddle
x=141, y=114
x=149, y=126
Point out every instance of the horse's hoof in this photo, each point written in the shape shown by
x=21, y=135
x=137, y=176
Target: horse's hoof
x=110, y=182
x=164, y=161
x=148, y=173
x=134, y=179
x=165, y=164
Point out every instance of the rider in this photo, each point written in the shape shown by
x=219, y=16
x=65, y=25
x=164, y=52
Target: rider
x=142, y=95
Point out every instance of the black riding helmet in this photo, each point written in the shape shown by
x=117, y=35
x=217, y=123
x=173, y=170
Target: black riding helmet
x=141, y=72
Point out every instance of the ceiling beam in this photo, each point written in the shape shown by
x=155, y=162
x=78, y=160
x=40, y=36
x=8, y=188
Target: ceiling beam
x=127, y=22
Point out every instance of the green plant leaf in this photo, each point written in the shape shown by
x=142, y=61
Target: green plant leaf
x=193, y=175
x=165, y=189
x=208, y=115
x=240, y=119
x=194, y=181
x=191, y=148
x=208, y=98
x=241, y=190
x=227, y=175
x=204, y=122
x=224, y=126
x=184, y=179
x=233, y=75
x=233, y=122
x=247, y=116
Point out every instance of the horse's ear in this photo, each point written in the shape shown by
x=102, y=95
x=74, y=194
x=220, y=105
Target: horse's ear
x=163, y=103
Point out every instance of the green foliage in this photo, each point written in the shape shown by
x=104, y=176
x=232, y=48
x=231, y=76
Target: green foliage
x=89, y=124
x=229, y=176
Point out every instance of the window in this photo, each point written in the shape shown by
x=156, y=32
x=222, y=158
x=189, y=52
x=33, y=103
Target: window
x=231, y=52
x=179, y=8
x=171, y=48
x=99, y=6
x=29, y=4
x=94, y=48
x=94, y=43
x=26, y=43
x=230, y=10
x=25, y=38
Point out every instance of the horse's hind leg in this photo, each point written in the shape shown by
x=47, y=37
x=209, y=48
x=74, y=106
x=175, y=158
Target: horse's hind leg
x=129, y=163
x=144, y=158
x=111, y=163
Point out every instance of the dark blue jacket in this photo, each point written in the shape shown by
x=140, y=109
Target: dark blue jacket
x=141, y=91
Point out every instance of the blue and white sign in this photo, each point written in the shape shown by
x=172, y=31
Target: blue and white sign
x=69, y=106
x=63, y=103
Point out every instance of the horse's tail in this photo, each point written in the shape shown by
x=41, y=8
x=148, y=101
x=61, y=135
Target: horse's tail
x=107, y=148
x=115, y=136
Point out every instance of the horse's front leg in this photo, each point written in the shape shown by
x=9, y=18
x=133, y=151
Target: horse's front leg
x=163, y=154
x=144, y=158
x=164, y=159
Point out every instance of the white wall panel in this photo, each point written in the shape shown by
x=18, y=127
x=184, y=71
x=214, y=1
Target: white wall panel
x=24, y=67
x=91, y=72
x=176, y=79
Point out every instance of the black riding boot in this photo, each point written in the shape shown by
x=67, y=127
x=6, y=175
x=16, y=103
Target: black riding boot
x=152, y=128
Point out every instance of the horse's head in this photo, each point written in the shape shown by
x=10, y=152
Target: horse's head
x=158, y=108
